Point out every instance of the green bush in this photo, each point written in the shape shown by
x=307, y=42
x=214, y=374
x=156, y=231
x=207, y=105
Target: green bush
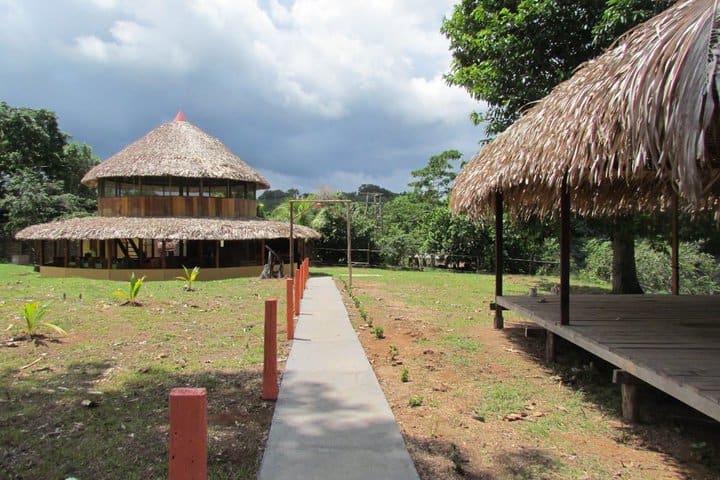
x=699, y=271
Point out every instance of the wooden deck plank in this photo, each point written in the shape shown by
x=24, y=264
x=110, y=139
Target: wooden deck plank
x=670, y=342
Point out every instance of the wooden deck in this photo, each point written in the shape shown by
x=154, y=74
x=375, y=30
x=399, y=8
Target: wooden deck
x=670, y=342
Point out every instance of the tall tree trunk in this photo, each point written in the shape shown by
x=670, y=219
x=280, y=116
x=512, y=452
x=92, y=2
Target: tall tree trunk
x=624, y=272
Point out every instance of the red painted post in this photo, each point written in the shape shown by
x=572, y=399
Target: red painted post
x=270, y=386
x=188, y=434
x=296, y=292
x=289, y=308
x=299, y=297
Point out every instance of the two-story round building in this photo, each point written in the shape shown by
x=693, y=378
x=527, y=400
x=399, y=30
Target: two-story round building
x=175, y=197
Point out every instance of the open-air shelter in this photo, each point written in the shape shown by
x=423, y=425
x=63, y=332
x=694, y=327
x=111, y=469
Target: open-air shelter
x=634, y=130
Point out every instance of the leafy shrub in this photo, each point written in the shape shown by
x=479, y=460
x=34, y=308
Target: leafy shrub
x=379, y=332
x=699, y=271
x=405, y=375
x=415, y=401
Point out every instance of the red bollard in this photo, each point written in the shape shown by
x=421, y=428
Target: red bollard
x=270, y=375
x=188, y=434
x=298, y=290
x=289, y=308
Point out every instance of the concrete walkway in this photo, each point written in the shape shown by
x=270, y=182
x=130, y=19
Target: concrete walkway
x=331, y=420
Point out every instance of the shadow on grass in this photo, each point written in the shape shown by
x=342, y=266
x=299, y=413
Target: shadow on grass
x=686, y=436
x=520, y=464
x=48, y=433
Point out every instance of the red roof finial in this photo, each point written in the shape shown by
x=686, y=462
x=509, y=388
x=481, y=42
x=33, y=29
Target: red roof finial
x=180, y=117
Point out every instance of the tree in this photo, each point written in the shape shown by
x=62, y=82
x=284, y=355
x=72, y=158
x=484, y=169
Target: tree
x=509, y=53
x=41, y=171
x=433, y=181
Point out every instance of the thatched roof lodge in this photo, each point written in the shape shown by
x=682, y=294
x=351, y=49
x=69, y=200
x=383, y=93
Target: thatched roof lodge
x=175, y=197
x=634, y=130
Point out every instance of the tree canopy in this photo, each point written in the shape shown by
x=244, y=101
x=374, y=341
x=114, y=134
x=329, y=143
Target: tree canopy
x=509, y=53
x=41, y=170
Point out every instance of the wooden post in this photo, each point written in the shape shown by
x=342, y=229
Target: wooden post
x=498, y=321
x=163, y=255
x=40, y=247
x=629, y=394
x=109, y=253
x=289, y=308
x=565, y=253
x=550, y=346
x=188, y=434
x=292, y=246
x=674, y=247
x=67, y=253
x=349, y=246
x=217, y=253
x=270, y=386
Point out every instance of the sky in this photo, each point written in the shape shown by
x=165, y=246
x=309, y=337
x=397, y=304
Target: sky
x=313, y=94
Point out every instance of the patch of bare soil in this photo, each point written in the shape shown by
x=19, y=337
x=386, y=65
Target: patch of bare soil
x=450, y=436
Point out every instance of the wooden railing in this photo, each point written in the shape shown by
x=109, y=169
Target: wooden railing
x=176, y=207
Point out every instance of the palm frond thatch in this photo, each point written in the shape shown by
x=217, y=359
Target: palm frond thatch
x=179, y=149
x=623, y=128
x=106, y=228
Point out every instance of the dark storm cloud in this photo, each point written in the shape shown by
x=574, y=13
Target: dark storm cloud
x=113, y=70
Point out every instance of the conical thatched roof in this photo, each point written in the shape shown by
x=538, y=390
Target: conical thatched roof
x=629, y=122
x=178, y=149
x=106, y=228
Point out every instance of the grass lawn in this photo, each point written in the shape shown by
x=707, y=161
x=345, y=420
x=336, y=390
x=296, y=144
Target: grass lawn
x=474, y=402
x=125, y=360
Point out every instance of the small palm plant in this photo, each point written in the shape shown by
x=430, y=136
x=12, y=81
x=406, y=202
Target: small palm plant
x=131, y=298
x=33, y=314
x=189, y=277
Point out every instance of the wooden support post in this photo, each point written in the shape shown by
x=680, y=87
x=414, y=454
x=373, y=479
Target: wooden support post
x=109, y=253
x=565, y=253
x=163, y=255
x=40, y=247
x=217, y=253
x=674, y=247
x=349, y=245
x=550, y=346
x=270, y=386
x=292, y=245
x=188, y=434
x=290, y=308
x=67, y=253
x=629, y=393
x=498, y=321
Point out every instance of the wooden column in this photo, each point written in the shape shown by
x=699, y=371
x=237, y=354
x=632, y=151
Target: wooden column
x=674, y=247
x=67, y=253
x=217, y=253
x=498, y=321
x=109, y=244
x=349, y=245
x=565, y=254
x=40, y=247
x=163, y=255
x=550, y=346
x=292, y=244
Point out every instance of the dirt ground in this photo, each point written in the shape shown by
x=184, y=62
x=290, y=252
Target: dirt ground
x=563, y=423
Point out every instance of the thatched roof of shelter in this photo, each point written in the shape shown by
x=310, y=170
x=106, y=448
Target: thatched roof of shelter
x=106, y=228
x=180, y=149
x=624, y=128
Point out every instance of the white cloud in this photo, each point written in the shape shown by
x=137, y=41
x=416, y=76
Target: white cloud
x=322, y=56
